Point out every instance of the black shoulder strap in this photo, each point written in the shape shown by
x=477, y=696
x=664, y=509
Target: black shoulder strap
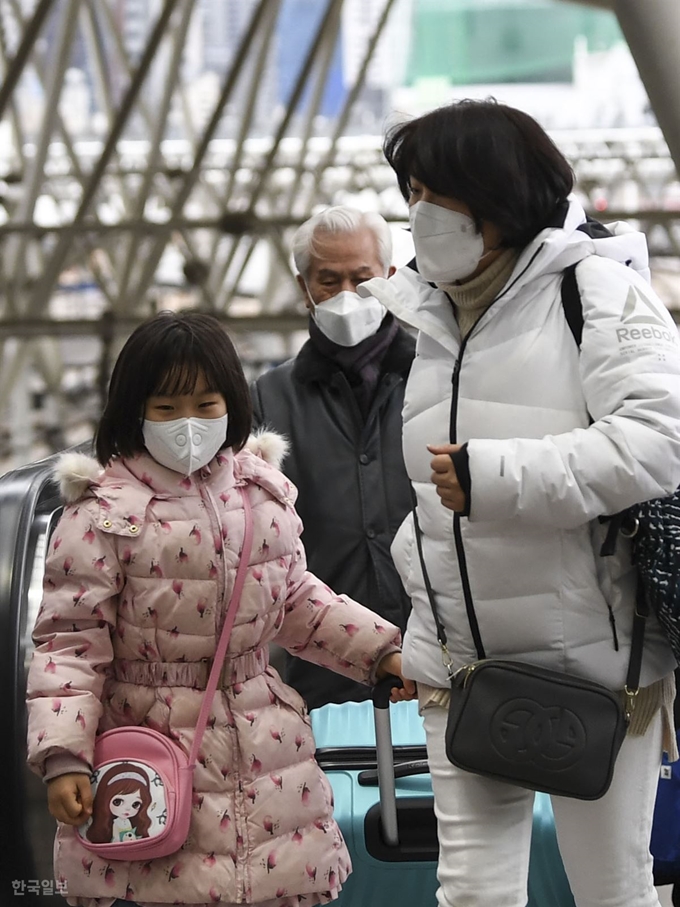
x=469, y=607
x=571, y=303
x=441, y=632
x=571, y=298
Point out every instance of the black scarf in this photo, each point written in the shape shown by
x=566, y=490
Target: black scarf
x=362, y=363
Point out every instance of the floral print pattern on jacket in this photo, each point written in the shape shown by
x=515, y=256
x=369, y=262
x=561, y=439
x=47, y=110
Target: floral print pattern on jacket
x=138, y=578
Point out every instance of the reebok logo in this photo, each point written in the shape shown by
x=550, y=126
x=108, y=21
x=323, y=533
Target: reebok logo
x=642, y=320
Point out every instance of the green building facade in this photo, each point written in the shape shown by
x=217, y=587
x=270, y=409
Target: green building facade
x=492, y=41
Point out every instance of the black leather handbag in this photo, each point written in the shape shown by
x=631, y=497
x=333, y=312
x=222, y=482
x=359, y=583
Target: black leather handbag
x=533, y=727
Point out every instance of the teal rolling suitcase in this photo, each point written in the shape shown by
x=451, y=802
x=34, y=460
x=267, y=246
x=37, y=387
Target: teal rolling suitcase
x=390, y=827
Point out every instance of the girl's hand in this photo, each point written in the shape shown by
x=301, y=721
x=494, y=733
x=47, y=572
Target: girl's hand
x=391, y=664
x=69, y=798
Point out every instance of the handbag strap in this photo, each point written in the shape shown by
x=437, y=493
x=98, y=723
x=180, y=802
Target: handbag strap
x=641, y=612
x=221, y=650
x=441, y=632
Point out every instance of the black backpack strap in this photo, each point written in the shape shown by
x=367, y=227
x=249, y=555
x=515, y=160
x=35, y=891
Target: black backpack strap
x=573, y=312
x=594, y=228
x=571, y=298
x=571, y=303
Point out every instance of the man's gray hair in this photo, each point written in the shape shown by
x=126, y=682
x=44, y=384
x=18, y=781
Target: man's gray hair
x=340, y=219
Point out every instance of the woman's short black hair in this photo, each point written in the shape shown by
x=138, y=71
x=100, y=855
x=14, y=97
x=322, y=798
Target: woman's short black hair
x=494, y=158
x=164, y=356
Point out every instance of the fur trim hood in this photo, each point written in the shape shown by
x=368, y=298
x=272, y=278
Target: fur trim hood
x=75, y=472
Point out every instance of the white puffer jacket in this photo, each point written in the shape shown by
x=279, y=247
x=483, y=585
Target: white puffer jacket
x=541, y=474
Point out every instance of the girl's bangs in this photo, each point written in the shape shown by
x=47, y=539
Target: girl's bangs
x=179, y=378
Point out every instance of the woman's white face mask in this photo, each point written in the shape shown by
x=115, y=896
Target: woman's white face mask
x=185, y=445
x=347, y=318
x=448, y=246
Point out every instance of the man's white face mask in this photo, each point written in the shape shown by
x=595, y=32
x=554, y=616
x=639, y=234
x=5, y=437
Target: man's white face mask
x=448, y=246
x=185, y=445
x=347, y=318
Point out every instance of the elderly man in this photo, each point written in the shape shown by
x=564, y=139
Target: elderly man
x=339, y=403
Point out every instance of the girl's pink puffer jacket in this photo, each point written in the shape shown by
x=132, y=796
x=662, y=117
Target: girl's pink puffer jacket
x=138, y=576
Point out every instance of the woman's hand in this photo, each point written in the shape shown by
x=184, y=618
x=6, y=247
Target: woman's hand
x=444, y=476
x=69, y=798
x=391, y=664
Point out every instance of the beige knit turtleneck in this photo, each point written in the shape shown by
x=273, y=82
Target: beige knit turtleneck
x=472, y=298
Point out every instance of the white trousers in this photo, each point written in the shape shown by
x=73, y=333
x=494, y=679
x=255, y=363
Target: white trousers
x=484, y=829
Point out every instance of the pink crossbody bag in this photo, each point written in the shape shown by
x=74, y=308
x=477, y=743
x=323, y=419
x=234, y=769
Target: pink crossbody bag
x=142, y=780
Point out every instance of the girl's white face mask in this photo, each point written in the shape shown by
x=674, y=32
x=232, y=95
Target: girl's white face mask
x=347, y=318
x=185, y=445
x=448, y=246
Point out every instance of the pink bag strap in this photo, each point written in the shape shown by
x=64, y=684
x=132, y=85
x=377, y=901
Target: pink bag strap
x=221, y=650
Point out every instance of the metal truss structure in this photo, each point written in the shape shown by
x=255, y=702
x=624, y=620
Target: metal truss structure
x=173, y=205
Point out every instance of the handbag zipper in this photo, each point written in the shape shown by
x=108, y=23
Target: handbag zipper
x=466, y=671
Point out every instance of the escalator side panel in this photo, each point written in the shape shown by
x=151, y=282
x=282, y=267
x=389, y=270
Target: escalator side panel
x=29, y=500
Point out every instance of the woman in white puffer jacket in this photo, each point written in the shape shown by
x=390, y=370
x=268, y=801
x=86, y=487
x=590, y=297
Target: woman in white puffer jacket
x=516, y=442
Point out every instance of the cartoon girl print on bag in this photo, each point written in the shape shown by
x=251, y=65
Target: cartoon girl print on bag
x=120, y=810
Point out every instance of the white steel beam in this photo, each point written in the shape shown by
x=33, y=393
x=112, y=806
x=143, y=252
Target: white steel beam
x=652, y=30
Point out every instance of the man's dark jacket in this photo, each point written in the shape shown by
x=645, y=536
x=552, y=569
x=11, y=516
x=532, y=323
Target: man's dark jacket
x=353, y=489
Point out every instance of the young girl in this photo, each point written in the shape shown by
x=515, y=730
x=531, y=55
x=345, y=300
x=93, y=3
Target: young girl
x=138, y=577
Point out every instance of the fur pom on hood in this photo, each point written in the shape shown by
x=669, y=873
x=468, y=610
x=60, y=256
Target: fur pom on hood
x=269, y=446
x=75, y=472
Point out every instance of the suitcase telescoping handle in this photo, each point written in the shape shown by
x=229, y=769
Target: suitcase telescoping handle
x=385, y=758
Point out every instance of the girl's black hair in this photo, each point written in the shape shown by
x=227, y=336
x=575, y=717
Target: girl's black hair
x=164, y=356
x=494, y=158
